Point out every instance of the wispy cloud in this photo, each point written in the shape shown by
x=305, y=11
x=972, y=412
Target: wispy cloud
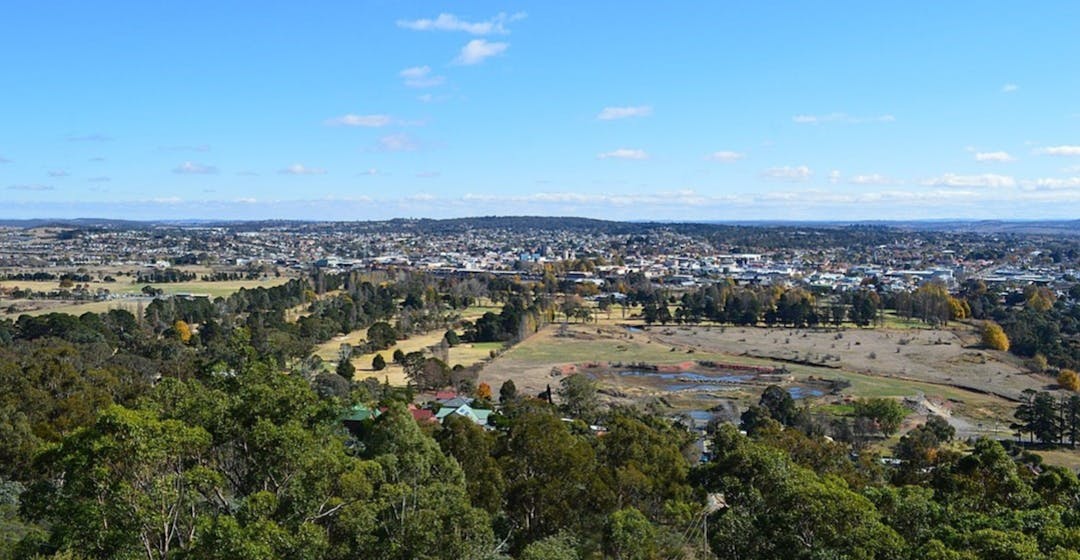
x=479, y=50
x=1052, y=183
x=370, y=172
x=30, y=187
x=100, y=179
x=95, y=137
x=421, y=77
x=995, y=157
x=1060, y=151
x=1009, y=88
x=613, y=113
x=192, y=168
x=624, y=153
x=871, y=179
x=58, y=173
x=726, y=156
x=843, y=118
x=398, y=142
x=301, y=169
x=369, y=121
x=985, y=180
x=450, y=22
x=788, y=173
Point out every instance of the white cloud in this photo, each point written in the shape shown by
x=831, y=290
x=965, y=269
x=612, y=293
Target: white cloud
x=624, y=153
x=192, y=168
x=726, y=156
x=986, y=180
x=841, y=118
x=371, y=172
x=398, y=142
x=1009, y=88
x=479, y=50
x=420, y=197
x=788, y=173
x=871, y=179
x=613, y=113
x=1060, y=151
x=420, y=77
x=999, y=157
x=369, y=121
x=1052, y=183
x=301, y=169
x=450, y=22
x=30, y=187
x=834, y=176
x=58, y=173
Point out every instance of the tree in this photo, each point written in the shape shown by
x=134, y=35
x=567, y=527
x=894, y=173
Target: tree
x=630, y=535
x=562, y=546
x=578, y=396
x=426, y=373
x=507, y=392
x=346, y=369
x=1068, y=379
x=421, y=505
x=774, y=509
x=130, y=486
x=483, y=391
x=780, y=405
x=993, y=337
x=381, y=335
x=183, y=331
x=886, y=413
x=473, y=449
x=552, y=476
x=378, y=363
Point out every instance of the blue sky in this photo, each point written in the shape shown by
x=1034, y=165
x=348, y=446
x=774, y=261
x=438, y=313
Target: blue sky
x=624, y=110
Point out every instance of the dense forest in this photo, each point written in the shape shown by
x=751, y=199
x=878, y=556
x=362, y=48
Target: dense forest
x=201, y=428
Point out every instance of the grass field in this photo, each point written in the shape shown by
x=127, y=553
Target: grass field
x=41, y=306
x=465, y=355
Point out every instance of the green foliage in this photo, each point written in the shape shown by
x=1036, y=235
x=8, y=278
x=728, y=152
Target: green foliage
x=578, y=397
x=629, y=535
x=776, y=509
x=346, y=369
x=887, y=414
x=378, y=363
x=556, y=547
x=507, y=391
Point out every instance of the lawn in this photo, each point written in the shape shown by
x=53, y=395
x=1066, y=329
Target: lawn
x=212, y=289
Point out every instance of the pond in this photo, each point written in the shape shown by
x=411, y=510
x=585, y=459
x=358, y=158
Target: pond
x=690, y=381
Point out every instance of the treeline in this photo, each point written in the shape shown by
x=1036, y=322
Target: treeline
x=46, y=276
x=168, y=275
x=1050, y=420
x=728, y=303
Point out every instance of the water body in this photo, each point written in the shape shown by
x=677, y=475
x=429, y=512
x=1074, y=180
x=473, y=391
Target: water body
x=690, y=381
